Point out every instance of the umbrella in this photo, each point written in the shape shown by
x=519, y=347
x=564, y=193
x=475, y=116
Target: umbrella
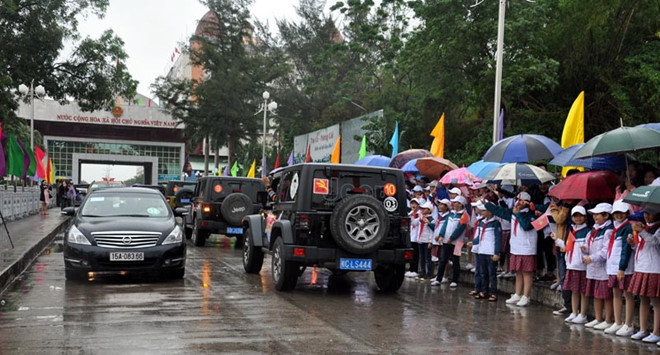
x=410, y=167
x=590, y=185
x=481, y=168
x=619, y=141
x=374, y=160
x=567, y=158
x=646, y=196
x=402, y=158
x=655, y=126
x=460, y=176
x=522, y=148
x=433, y=167
x=518, y=174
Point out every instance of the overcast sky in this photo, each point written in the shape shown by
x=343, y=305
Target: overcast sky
x=151, y=29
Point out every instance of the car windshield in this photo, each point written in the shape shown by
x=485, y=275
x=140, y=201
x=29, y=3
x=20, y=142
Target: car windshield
x=130, y=205
x=105, y=185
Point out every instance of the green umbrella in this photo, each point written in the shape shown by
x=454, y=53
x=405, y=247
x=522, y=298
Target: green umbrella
x=647, y=196
x=619, y=141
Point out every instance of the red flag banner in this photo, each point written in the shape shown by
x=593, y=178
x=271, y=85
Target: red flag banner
x=541, y=222
x=40, y=155
x=277, y=161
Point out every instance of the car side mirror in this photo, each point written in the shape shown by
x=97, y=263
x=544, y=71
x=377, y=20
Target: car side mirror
x=69, y=211
x=262, y=197
x=180, y=212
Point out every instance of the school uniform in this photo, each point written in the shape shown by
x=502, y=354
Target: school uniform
x=414, y=234
x=452, y=231
x=597, y=278
x=618, y=256
x=646, y=278
x=425, y=226
x=523, y=237
x=576, y=271
x=488, y=239
x=475, y=251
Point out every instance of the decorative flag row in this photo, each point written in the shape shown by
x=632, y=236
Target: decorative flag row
x=22, y=161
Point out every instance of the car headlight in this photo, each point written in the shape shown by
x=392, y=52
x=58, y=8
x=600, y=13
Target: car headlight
x=176, y=236
x=74, y=236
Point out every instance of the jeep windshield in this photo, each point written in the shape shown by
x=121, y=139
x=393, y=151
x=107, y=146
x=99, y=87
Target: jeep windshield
x=329, y=189
x=174, y=186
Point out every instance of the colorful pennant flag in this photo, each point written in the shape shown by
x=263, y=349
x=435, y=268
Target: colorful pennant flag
x=308, y=157
x=40, y=155
x=277, y=161
x=290, y=161
x=226, y=171
x=394, y=142
x=574, y=127
x=363, y=147
x=336, y=152
x=252, y=170
x=438, y=132
x=50, y=172
x=234, y=169
x=15, y=157
x=3, y=163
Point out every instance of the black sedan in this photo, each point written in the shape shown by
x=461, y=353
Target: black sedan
x=124, y=230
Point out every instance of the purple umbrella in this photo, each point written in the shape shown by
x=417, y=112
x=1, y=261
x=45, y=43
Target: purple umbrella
x=374, y=160
x=402, y=158
x=522, y=148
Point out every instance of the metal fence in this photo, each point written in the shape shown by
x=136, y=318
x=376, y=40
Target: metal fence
x=21, y=202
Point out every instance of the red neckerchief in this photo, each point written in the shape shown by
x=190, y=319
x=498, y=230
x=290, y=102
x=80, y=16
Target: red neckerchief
x=613, y=237
x=641, y=243
x=483, y=230
x=421, y=226
x=476, y=225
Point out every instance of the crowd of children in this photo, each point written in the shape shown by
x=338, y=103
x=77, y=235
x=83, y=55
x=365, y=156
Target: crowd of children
x=607, y=256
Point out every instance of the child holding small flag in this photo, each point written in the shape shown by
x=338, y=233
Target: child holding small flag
x=620, y=269
x=425, y=223
x=576, y=271
x=595, y=258
x=645, y=282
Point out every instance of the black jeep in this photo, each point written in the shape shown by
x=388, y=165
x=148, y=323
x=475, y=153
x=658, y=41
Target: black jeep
x=342, y=217
x=219, y=205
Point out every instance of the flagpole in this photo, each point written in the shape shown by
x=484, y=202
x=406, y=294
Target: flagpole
x=498, y=70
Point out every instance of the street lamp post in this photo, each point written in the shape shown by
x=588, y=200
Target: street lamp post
x=40, y=92
x=272, y=107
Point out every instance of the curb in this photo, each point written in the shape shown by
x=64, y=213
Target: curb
x=9, y=274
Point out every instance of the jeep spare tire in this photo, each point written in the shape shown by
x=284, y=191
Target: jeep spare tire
x=234, y=207
x=359, y=224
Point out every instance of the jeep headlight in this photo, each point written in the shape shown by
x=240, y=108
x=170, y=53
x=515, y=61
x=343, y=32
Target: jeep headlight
x=176, y=236
x=74, y=236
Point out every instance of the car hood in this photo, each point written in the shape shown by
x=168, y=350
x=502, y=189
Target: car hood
x=89, y=225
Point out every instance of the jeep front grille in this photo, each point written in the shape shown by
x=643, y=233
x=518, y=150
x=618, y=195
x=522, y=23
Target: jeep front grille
x=126, y=239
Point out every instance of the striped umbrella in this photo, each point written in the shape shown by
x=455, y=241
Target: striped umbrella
x=522, y=148
x=518, y=174
x=481, y=168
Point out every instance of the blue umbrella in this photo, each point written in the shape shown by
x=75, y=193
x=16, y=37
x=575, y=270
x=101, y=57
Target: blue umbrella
x=655, y=126
x=606, y=162
x=481, y=168
x=522, y=148
x=410, y=167
x=374, y=160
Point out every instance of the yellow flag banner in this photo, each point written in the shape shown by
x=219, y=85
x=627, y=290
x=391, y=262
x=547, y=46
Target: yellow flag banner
x=336, y=152
x=438, y=132
x=252, y=170
x=574, y=127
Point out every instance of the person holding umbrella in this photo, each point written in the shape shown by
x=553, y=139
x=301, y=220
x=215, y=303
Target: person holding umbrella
x=523, y=245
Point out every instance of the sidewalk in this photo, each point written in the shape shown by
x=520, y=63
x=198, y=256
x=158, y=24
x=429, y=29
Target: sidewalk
x=30, y=236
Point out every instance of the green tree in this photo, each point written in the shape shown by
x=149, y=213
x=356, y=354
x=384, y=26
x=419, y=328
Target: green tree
x=33, y=33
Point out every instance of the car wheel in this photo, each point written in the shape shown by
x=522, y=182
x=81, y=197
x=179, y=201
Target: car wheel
x=389, y=277
x=359, y=224
x=253, y=257
x=234, y=207
x=285, y=273
x=74, y=275
x=198, y=236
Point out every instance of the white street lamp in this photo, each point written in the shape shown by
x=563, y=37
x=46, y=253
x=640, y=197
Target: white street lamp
x=272, y=106
x=32, y=91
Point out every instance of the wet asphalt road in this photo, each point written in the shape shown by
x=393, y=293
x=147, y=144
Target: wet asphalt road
x=219, y=308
